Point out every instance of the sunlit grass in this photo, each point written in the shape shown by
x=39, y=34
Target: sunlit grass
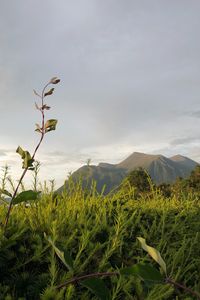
x=100, y=234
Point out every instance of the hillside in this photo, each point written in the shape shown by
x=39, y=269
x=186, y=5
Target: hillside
x=160, y=168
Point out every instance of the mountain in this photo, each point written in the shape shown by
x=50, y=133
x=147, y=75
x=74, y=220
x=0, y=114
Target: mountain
x=184, y=162
x=160, y=168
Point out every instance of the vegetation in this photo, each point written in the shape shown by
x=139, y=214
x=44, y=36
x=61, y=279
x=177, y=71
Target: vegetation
x=81, y=244
x=140, y=180
x=28, y=160
x=100, y=234
x=183, y=187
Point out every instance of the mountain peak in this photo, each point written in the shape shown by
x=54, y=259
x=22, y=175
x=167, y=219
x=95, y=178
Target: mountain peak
x=178, y=157
x=138, y=159
x=160, y=168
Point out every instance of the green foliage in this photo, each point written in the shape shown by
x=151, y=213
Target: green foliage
x=27, y=159
x=26, y=196
x=194, y=180
x=140, y=180
x=182, y=188
x=165, y=189
x=144, y=271
x=5, y=192
x=50, y=125
x=99, y=234
x=97, y=287
x=154, y=253
x=63, y=255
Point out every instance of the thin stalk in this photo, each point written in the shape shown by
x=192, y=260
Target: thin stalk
x=183, y=287
x=75, y=280
x=33, y=156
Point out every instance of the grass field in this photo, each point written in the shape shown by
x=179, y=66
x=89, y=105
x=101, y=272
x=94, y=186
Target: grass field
x=100, y=234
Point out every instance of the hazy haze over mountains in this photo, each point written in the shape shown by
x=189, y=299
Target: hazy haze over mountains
x=160, y=168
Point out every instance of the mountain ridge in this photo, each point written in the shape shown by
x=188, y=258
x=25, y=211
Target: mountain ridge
x=160, y=168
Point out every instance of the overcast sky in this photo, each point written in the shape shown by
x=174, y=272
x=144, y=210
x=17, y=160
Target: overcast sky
x=130, y=80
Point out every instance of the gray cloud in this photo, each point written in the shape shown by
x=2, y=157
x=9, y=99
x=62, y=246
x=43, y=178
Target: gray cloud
x=6, y=152
x=196, y=114
x=185, y=140
x=129, y=75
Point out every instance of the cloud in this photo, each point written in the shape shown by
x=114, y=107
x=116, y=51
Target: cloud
x=196, y=114
x=7, y=153
x=129, y=72
x=185, y=140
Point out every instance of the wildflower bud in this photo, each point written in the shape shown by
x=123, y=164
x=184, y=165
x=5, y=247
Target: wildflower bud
x=50, y=92
x=54, y=80
x=46, y=107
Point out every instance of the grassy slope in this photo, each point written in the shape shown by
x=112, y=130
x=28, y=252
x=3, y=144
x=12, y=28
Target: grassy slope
x=100, y=234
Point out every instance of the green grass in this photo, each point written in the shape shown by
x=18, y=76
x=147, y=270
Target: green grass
x=100, y=234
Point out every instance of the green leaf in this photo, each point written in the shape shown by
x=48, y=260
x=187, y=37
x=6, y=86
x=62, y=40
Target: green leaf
x=50, y=92
x=97, y=286
x=155, y=254
x=50, y=125
x=20, y=151
x=63, y=255
x=145, y=271
x=27, y=159
x=5, y=192
x=38, y=129
x=26, y=196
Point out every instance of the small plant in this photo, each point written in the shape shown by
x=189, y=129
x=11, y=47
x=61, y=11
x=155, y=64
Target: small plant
x=28, y=159
x=143, y=271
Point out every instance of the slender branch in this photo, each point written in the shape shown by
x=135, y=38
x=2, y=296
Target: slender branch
x=74, y=280
x=33, y=156
x=183, y=287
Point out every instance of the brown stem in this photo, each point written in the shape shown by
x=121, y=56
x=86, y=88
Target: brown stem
x=33, y=156
x=74, y=280
x=13, y=197
x=183, y=287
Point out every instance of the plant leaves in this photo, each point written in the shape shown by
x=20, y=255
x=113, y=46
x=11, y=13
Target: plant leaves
x=38, y=129
x=5, y=192
x=50, y=125
x=37, y=106
x=26, y=196
x=46, y=107
x=27, y=159
x=145, y=271
x=20, y=151
x=63, y=255
x=54, y=80
x=155, y=254
x=36, y=93
x=98, y=287
x=50, y=92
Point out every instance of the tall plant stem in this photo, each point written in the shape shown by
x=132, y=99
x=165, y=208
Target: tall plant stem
x=33, y=156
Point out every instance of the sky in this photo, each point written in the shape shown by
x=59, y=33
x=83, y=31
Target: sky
x=130, y=81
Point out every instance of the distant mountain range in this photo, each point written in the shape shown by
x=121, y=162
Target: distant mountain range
x=160, y=168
